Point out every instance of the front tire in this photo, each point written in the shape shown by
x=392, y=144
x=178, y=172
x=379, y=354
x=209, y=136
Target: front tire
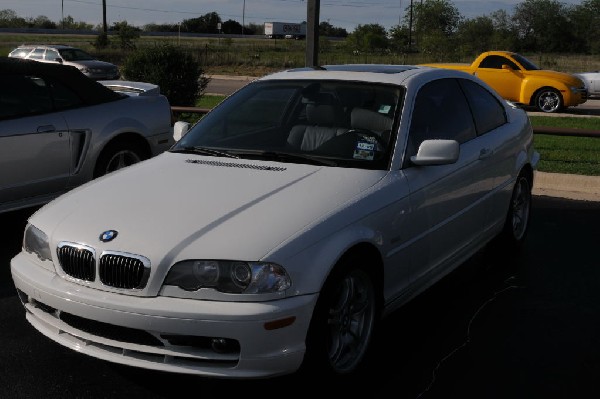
x=343, y=323
x=519, y=213
x=548, y=100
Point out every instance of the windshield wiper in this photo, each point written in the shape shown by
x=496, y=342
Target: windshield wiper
x=205, y=151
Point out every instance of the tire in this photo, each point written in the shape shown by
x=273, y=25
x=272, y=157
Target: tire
x=343, y=323
x=519, y=213
x=117, y=156
x=548, y=100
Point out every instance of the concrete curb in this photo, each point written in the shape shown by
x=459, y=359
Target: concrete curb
x=577, y=187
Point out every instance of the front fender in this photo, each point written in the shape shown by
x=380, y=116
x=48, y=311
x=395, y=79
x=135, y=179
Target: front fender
x=309, y=269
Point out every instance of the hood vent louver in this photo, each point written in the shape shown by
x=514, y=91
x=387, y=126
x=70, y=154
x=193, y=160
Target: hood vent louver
x=236, y=165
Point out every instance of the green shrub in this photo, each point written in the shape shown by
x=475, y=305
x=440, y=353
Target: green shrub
x=177, y=73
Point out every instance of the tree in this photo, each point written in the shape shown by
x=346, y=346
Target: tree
x=326, y=29
x=41, y=21
x=476, y=35
x=177, y=73
x=367, y=38
x=205, y=24
x=399, y=38
x=69, y=23
x=231, y=27
x=10, y=19
x=434, y=23
x=585, y=21
x=543, y=24
x=126, y=33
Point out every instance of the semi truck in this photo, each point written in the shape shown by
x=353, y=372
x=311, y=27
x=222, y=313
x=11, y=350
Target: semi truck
x=285, y=30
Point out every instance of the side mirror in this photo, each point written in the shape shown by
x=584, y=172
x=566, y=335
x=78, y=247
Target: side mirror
x=180, y=128
x=437, y=152
x=507, y=67
x=59, y=60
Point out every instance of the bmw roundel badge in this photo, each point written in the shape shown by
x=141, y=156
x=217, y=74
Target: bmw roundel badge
x=108, y=235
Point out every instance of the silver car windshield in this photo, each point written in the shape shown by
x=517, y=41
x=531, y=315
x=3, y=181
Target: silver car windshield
x=336, y=123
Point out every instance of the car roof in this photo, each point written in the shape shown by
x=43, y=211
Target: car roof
x=375, y=73
x=90, y=91
x=52, y=46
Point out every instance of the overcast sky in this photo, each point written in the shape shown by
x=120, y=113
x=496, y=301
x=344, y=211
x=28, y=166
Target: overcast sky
x=340, y=13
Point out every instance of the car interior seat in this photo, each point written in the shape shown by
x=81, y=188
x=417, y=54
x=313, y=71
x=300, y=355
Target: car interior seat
x=323, y=122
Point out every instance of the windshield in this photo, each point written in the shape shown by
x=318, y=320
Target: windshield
x=335, y=123
x=525, y=63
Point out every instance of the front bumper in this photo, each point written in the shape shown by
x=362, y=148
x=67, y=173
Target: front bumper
x=162, y=333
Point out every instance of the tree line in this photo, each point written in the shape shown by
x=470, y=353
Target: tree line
x=432, y=27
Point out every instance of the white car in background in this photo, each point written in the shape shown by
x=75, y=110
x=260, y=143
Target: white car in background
x=302, y=209
x=59, y=129
x=592, y=82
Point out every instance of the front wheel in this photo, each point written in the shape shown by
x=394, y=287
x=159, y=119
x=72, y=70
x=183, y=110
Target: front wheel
x=519, y=210
x=343, y=323
x=548, y=100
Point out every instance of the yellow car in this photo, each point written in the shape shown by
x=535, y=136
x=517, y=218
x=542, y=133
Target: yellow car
x=519, y=80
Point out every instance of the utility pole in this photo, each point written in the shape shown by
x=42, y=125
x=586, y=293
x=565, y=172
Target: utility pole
x=104, y=27
x=312, y=32
x=243, y=17
x=410, y=22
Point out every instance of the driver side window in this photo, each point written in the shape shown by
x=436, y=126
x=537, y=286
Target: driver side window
x=440, y=112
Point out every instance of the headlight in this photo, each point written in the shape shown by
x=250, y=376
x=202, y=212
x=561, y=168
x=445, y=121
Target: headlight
x=229, y=276
x=35, y=241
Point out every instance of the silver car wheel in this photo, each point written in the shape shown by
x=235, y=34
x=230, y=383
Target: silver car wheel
x=520, y=208
x=121, y=159
x=351, y=320
x=548, y=100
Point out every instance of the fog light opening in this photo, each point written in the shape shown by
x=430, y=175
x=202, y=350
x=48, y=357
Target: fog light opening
x=223, y=345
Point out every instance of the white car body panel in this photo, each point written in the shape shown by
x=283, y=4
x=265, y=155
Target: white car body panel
x=591, y=81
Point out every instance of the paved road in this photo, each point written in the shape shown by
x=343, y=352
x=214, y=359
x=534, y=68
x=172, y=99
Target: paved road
x=501, y=326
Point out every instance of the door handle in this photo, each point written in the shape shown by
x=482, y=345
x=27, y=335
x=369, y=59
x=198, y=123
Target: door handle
x=46, y=129
x=485, y=153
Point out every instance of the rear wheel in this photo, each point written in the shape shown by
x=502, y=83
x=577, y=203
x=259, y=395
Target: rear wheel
x=343, y=322
x=548, y=100
x=117, y=156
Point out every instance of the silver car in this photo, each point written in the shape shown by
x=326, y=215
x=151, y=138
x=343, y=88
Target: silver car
x=59, y=129
x=67, y=55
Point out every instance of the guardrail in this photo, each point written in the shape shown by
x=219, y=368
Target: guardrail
x=556, y=131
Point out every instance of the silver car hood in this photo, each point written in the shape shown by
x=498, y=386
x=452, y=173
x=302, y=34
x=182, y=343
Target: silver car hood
x=181, y=206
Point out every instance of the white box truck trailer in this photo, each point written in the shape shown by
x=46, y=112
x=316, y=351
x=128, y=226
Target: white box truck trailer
x=285, y=30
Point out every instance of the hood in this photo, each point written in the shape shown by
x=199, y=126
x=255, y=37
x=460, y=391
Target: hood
x=566, y=78
x=176, y=206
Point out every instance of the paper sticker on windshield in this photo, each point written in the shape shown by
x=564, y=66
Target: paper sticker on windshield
x=365, y=150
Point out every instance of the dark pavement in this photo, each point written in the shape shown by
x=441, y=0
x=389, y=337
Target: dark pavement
x=501, y=326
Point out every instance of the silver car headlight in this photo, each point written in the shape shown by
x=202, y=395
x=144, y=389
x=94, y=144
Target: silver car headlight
x=233, y=277
x=35, y=241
